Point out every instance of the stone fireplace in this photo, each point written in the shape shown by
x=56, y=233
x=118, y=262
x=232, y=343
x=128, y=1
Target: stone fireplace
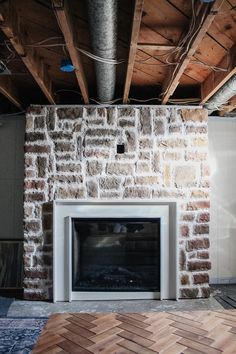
x=113, y=154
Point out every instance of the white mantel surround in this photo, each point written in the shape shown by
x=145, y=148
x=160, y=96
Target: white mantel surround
x=64, y=210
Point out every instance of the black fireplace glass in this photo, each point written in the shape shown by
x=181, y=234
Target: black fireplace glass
x=112, y=254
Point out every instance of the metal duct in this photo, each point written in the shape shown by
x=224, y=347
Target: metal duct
x=223, y=95
x=103, y=28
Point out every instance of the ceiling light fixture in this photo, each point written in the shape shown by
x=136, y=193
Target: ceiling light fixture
x=67, y=66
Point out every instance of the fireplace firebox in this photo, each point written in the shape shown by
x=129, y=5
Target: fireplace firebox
x=121, y=254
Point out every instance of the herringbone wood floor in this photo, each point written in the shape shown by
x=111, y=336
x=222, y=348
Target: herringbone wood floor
x=196, y=332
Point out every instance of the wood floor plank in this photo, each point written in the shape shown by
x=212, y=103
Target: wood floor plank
x=130, y=328
x=198, y=346
x=73, y=348
x=193, y=336
x=136, y=348
x=209, y=332
x=137, y=339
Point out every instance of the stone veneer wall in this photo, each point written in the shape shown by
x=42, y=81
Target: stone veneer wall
x=70, y=152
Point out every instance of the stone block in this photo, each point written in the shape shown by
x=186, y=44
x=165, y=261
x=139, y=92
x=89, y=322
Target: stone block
x=173, y=143
x=145, y=121
x=109, y=183
x=203, y=217
x=126, y=123
x=130, y=140
x=189, y=293
x=200, y=194
x=34, y=184
x=42, y=164
x=32, y=137
x=96, y=153
x=137, y=192
x=203, y=204
x=206, y=291
x=182, y=259
x=126, y=112
x=144, y=155
x=64, y=146
x=29, y=124
x=70, y=113
x=29, y=161
x=187, y=217
x=195, y=156
x=200, y=142
x=184, y=230
x=60, y=136
x=143, y=167
x=100, y=143
x=69, y=193
x=69, y=168
x=173, y=129
x=198, y=265
x=38, y=149
x=201, y=229
x=111, y=115
x=119, y=168
x=39, y=122
x=197, y=243
x=32, y=226
x=200, y=278
x=158, y=127
x=185, y=176
x=101, y=132
x=51, y=118
x=156, y=165
x=34, y=197
x=172, y=156
x=192, y=129
x=145, y=144
x=195, y=115
x=184, y=279
x=94, y=168
x=147, y=180
x=92, y=189
x=203, y=255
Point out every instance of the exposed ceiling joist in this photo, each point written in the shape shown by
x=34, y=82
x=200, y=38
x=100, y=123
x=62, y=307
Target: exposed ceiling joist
x=66, y=25
x=9, y=91
x=203, y=22
x=228, y=107
x=218, y=78
x=133, y=46
x=153, y=46
x=11, y=27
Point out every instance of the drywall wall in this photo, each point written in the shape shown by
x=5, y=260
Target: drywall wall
x=222, y=146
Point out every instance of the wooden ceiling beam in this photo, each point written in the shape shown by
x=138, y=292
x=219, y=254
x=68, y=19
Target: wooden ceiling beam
x=137, y=17
x=217, y=79
x=11, y=27
x=66, y=26
x=205, y=17
x=9, y=91
x=153, y=46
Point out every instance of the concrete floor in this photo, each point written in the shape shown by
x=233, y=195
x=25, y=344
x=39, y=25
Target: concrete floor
x=44, y=309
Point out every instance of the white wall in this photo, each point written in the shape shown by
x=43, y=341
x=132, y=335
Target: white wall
x=222, y=144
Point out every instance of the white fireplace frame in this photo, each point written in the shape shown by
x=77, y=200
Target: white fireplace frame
x=65, y=210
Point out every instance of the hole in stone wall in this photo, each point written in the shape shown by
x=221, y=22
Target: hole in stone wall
x=120, y=149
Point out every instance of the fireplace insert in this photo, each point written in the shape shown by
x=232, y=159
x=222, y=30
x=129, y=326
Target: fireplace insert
x=114, y=254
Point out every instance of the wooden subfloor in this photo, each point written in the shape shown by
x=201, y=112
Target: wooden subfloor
x=196, y=332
